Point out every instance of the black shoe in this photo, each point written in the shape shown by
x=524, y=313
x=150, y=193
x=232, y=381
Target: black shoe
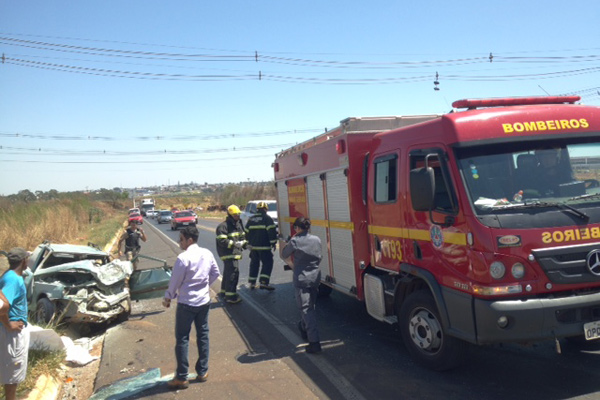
x=233, y=299
x=266, y=286
x=313, y=348
x=252, y=286
x=302, y=331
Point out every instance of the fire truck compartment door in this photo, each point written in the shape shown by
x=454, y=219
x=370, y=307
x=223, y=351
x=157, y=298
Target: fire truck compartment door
x=316, y=210
x=284, y=209
x=340, y=230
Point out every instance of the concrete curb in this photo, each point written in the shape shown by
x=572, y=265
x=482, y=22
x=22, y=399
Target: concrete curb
x=46, y=388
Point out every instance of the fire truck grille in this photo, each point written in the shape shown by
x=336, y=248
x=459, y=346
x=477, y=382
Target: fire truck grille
x=568, y=265
x=584, y=314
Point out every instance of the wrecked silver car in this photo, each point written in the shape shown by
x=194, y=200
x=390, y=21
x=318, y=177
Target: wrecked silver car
x=83, y=284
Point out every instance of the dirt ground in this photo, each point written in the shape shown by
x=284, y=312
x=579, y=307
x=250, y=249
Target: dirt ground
x=78, y=381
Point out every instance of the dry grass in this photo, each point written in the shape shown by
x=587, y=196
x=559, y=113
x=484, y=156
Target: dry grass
x=74, y=220
x=61, y=221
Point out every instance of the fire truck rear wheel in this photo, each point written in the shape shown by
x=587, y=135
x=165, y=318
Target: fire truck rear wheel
x=424, y=336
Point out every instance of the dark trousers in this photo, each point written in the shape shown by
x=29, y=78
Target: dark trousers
x=231, y=275
x=306, y=300
x=184, y=317
x=256, y=257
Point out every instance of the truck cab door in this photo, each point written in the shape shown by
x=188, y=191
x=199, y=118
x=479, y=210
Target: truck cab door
x=149, y=283
x=385, y=211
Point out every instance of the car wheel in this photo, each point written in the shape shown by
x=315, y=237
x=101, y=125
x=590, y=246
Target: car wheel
x=44, y=311
x=423, y=334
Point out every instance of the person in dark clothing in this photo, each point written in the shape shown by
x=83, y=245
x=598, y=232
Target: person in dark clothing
x=131, y=237
x=306, y=252
x=262, y=236
x=552, y=171
x=231, y=241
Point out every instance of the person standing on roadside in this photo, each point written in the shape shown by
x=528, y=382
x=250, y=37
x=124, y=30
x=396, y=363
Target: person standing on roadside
x=193, y=273
x=262, y=236
x=131, y=236
x=14, y=333
x=4, y=306
x=306, y=251
x=230, y=244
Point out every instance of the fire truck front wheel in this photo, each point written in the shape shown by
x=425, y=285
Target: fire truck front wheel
x=424, y=336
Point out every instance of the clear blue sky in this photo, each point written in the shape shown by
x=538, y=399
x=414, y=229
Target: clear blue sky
x=106, y=94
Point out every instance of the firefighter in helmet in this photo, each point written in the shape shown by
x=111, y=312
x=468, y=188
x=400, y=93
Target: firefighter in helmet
x=262, y=236
x=231, y=241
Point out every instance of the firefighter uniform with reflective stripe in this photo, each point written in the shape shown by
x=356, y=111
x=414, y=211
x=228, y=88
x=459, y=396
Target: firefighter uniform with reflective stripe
x=262, y=236
x=228, y=233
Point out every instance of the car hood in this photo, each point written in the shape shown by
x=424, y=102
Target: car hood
x=109, y=274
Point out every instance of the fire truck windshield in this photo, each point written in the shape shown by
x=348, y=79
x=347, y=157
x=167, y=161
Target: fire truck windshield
x=505, y=179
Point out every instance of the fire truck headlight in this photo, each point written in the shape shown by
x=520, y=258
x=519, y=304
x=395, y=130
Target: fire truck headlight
x=497, y=270
x=518, y=270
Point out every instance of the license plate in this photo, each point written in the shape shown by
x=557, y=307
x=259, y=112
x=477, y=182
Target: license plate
x=186, y=223
x=592, y=330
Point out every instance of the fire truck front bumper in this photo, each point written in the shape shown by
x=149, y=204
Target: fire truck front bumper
x=534, y=319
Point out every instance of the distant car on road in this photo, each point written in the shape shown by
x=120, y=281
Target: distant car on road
x=250, y=210
x=151, y=213
x=164, y=216
x=183, y=218
x=137, y=218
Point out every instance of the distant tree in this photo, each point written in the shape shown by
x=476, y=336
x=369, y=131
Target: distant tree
x=52, y=194
x=111, y=196
x=26, y=195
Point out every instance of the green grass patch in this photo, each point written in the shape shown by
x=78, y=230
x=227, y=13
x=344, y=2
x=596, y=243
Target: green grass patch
x=40, y=363
x=102, y=233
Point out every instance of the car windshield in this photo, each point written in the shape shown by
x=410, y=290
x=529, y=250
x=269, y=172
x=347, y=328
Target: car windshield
x=272, y=206
x=134, y=215
x=183, y=214
x=163, y=213
x=509, y=178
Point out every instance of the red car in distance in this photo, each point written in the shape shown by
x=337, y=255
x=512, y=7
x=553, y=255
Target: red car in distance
x=182, y=218
x=136, y=217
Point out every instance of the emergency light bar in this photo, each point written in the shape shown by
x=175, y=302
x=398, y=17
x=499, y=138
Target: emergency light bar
x=514, y=101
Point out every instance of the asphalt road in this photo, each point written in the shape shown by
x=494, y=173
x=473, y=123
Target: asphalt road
x=369, y=355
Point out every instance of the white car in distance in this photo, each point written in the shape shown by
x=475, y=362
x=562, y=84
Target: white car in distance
x=250, y=210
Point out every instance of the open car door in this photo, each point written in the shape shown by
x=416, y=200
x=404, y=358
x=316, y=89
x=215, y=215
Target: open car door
x=149, y=283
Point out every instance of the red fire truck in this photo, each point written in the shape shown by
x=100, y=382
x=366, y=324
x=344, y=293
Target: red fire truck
x=477, y=226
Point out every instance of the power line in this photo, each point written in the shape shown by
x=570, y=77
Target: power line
x=153, y=161
x=160, y=138
x=291, y=79
x=530, y=51
x=266, y=58
x=79, y=152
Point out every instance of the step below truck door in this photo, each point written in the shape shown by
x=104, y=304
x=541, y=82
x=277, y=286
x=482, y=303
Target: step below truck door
x=149, y=283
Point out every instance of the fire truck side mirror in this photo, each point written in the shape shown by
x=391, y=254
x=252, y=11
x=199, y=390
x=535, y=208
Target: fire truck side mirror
x=422, y=188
